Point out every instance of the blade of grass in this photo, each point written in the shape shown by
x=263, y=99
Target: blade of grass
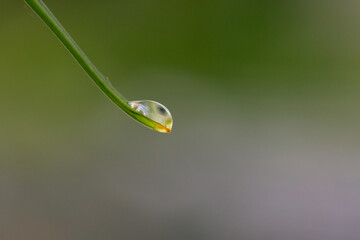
x=100, y=80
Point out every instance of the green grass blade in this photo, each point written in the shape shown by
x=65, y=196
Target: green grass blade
x=100, y=80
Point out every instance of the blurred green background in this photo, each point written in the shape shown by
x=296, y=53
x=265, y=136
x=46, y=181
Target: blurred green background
x=265, y=100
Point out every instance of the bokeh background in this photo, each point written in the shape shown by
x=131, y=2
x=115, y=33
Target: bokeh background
x=265, y=100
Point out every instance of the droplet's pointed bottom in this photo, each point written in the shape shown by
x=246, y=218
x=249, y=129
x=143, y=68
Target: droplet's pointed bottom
x=156, y=112
x=163, y=130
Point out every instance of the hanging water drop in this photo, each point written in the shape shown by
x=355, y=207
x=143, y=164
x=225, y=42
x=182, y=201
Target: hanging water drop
x=154, y=111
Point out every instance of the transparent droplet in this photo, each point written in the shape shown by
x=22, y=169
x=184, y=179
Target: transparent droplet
x=156, y=112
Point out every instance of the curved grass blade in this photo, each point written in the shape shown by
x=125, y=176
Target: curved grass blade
x=100, y=80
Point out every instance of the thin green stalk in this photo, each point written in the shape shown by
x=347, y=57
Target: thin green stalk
x=100, y=80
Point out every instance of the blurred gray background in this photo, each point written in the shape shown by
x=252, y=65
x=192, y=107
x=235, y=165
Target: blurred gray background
x=265, y=100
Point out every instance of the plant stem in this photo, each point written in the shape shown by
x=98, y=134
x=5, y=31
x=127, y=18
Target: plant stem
x=100, y=80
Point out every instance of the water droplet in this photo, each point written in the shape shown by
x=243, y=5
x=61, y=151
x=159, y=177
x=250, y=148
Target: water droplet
x=154, y=111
